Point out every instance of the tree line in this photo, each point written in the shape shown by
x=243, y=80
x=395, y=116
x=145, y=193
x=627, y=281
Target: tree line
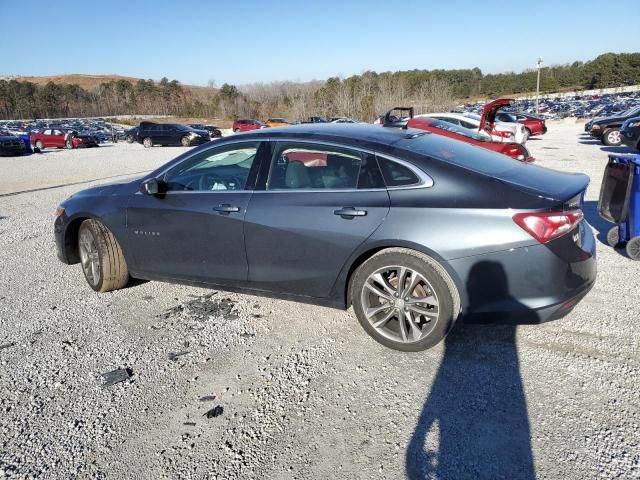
x=358, y=96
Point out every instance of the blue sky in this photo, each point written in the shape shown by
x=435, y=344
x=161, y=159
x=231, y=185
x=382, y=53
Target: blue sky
x=245, y=41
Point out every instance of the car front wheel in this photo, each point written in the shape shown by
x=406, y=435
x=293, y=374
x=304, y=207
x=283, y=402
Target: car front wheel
x=101, y=257
x=612, y=137
x=185, y=141
x=404, y=299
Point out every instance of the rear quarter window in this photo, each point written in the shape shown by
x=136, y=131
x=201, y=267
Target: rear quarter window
x=397, y=175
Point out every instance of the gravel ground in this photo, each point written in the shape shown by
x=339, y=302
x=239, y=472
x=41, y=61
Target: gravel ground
x=233, y=386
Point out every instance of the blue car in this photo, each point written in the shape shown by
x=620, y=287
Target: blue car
x=413, y=230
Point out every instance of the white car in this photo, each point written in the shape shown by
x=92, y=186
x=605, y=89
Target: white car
x=501, y=132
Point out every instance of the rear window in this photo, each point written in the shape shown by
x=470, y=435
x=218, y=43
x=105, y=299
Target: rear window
x=461, y=154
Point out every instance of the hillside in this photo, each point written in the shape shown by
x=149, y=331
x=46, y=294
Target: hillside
x=91, y=82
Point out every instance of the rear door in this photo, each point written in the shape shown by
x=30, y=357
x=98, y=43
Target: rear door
x=319, y=204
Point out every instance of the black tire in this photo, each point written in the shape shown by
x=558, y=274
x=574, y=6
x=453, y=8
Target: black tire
x=114, y=273
x=68, y=144
x=443, y=286
x=613, y=236
x=527, y=132
x=611, y=137
x=147, y=142
x=130, y=139
x=185, y=141
x=39, y=145
x=236, y=130
x=633, y=248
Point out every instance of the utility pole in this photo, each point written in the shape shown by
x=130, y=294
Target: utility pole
x=539, y=65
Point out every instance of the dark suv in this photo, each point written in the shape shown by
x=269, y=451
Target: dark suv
x=630, y=132
x=150, y=134
x=607, y=129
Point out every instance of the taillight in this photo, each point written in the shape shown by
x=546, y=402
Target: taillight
x=547, y=226
x=518, y=152
x=504, y=134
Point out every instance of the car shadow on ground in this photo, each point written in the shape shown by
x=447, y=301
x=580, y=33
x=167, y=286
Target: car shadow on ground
x=620, y=149
x=474, y=422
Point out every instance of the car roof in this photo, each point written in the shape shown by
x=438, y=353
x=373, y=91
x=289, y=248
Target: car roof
x=347, y=133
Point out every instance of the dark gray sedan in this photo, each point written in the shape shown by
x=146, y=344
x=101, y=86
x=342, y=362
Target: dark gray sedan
x=412, y=229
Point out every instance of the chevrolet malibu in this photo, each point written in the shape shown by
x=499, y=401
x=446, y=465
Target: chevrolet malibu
x=414, y=230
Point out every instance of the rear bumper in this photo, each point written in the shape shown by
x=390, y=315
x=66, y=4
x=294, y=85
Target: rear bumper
x=12, y=151
x=529, y=284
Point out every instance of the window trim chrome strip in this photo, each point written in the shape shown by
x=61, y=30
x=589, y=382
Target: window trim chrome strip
x=425, y=179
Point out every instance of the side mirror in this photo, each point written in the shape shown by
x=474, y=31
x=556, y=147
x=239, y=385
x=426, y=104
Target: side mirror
x=150, y=187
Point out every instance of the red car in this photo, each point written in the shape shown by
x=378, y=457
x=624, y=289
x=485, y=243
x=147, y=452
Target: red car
x=480, y=139
x=532, y=124
x=247, y=125
x=54, y=138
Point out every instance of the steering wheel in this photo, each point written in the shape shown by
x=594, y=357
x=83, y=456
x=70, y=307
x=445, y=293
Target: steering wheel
x=207, y=182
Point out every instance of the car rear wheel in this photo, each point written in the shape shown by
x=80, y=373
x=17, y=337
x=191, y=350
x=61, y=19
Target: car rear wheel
x=612, y=137
x=147, y=142
x=236, y=130
x=130, y=139
x=404, y=299
x=185, y=141
x=633, y=248
x=613, y=236
x=101, y=257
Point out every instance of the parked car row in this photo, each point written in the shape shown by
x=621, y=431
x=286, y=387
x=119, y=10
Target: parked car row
x=579, y=106
x=64, y=133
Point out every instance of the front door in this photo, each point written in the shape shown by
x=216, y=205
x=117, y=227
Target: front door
x=320, y=204
x=194, y=231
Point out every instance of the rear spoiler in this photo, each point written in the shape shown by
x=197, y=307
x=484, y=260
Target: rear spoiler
x=392, y=120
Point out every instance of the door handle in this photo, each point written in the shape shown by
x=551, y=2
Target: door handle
x=350, y=212
x=226, y=209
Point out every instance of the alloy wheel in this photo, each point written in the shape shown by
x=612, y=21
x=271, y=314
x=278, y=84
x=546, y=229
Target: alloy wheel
x=614, y=137
x=89, y=257
x=400, y=304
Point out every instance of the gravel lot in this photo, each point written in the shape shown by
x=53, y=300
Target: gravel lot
x=302, y=391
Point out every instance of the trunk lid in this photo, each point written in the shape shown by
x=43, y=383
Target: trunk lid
x=566, y=188
x=490, y=110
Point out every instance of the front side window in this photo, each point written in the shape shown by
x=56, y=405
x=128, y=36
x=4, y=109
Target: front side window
x=223, y=168
x=300, y=166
